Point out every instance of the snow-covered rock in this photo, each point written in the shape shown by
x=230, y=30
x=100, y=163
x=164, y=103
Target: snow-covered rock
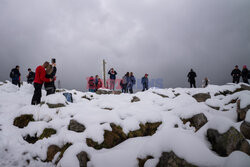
x=106, y=129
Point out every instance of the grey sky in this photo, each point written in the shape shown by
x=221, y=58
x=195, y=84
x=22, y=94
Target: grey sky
x=164, y=38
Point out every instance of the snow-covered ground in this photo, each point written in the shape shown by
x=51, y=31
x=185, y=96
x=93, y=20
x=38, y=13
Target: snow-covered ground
x=172, y=134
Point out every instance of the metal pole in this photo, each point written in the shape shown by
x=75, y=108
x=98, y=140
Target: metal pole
x=104, y=72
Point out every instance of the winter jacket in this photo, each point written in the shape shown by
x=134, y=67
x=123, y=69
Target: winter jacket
x=15, y=74
x=40, y=75
x=245, y=73
x=31, y=76
x=112, y=74
x=131, y=81
x=144, y=80
x=236, y=73
x=125, y=79
x=191, y=76
x=91, y=83
x=98, y=84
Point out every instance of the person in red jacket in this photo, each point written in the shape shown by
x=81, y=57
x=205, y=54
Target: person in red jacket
x=38, y=83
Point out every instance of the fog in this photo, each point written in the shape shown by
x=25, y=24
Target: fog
x=164, y=38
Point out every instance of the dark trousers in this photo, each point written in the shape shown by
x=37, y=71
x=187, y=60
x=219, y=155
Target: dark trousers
x=37, y=94
x=145, y=87
x=236, y=80
x=124, y=88
x=192, y=84
x=245, y=80
x=16, y=82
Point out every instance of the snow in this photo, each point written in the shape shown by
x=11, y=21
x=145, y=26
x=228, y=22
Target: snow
x=179, y=103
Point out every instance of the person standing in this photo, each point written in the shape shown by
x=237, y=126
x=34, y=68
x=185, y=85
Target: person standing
x=15, y=76
x=191, y=78
x=131, y=82
x=144, y=82
x=53, y=74
x=49, y=86
x=38, y=83
x=30, y=77
x=98, y=84
x=91, y=84
x=124, y=83
x=112, y=73
x=96, y=81
x=245, y=74
x=205, y=82
x=236, y=73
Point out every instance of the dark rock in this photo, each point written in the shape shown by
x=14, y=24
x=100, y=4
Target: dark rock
x=83, y=159
x=86, y=97
x=23, y=120
x=141, y=162
x=55, y=105
x=245, y=129
x=162, y=95
x=201, y=97
x=117, y=136
x=245, y=87
x=241, y=112
x=76, y=126
x=51, y=152
x=31, y=139
x=169, y=159
x=60, y=90
x=47, y=132
x=213, y=107
x=103, y=92
x=196, y=121
x=107, y=108
x=224, y=144
x=135, y=99
x=224, y=93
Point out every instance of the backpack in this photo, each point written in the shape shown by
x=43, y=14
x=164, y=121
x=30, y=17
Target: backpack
x=91, y=82
x=11, y=74
x=68, y=97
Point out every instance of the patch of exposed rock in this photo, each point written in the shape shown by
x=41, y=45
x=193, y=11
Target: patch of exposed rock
x=241, y=112
x=76, y=126
x=224, y=144
x=245, y=129
x=23, y=120
x=83, y=159
x=201, y=97
x=196, y=121
x=135, y=99
x=117, y=136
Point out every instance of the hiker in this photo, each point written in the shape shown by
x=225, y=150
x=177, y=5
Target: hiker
x=15, y=76
x=53, y=62
x=30, y=77
x=245, y=74
x=205, y=82
x=131, y=82
x=236, y=73
x=38, y=82
x=191, y=78
x=124, y=83
x=144, y=82
x=112, y=73
x=91, y=84
x=50, y=86
x=98, y=84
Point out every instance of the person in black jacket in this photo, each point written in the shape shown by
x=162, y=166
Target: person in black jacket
x=15, y=76
x=236, y=73
x=50, y=86
x=30, y=76
x=245, y=74
x=112, y=73
x=191, y=78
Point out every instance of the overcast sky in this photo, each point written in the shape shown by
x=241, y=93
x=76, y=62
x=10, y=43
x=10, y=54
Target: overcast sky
x=164, y=38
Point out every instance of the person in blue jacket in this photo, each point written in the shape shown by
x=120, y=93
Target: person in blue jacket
x=131, y=82
x=112, y=73
x=15, y=76
x=144, y=82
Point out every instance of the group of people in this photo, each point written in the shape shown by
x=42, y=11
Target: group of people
x=45, y=74
x=94, y=83
x=236, y=74
x=127, y=82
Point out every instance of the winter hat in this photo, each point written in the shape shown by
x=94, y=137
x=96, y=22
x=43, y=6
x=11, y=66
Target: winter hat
x=244, y=66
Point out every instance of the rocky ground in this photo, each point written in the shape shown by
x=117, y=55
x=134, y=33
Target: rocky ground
x=157, y=128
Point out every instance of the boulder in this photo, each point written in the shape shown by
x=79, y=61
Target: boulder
x=51, y=152
x=117, y=136
x=201, y=97
x=245, y=129
x=241, y=112
x=86, y=97
x=196, y=121
x=224, y=144
x=23, y=120
x=47, y=132
x=162, y=95
x=135, y=99
x=170, y=159
x=76, y=126
x=58, y=105
x=83, y=159
x=107, y=92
